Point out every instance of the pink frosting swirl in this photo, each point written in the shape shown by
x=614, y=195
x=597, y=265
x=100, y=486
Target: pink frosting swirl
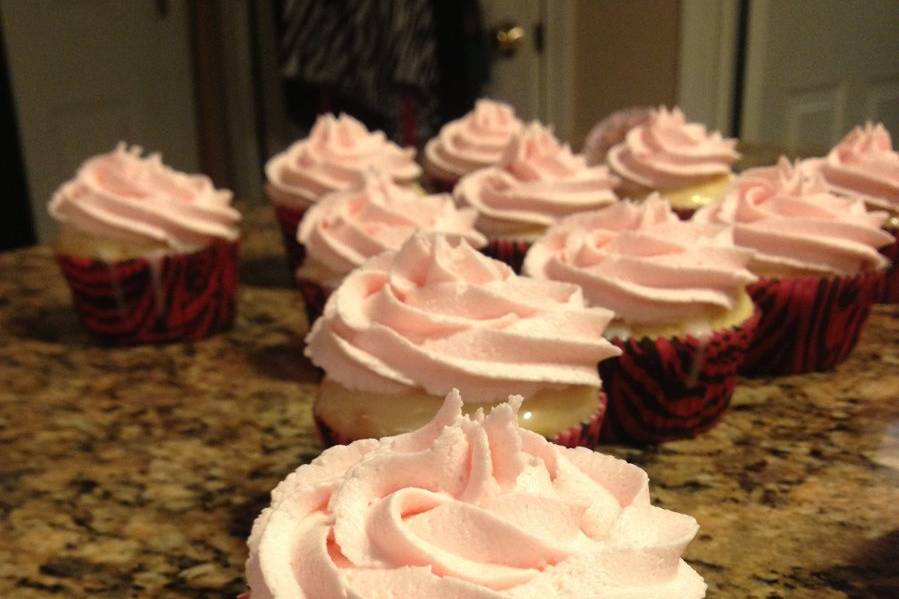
x=667, y=153
x=791, y=220
x=643, y=263
x=337, y=151
x=122, y=195
x=438, y=314
x=474, y=141
x=346, y=228
x=538, y=181
x=863, y=164
x=469, y=508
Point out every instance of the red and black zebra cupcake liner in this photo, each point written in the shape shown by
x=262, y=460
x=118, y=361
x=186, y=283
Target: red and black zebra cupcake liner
x=315, y=296
x=176, y=297
x=585, y=434
x=888, y=292
x=289, y=221
x=510, y=251
x=808, y=324
x=671, y=388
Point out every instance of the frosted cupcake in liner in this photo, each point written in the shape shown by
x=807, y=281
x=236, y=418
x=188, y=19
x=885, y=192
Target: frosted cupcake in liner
x=469, y=507
x=475, y=141
x=150, y=254
x=683, y=318
x=408, y=326
x=346, y=228
x=336, y=153
x=537, y=182
x=817, y=259
x=688, y=165
x=864, y=164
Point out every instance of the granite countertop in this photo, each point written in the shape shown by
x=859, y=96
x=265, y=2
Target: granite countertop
x=137, y=472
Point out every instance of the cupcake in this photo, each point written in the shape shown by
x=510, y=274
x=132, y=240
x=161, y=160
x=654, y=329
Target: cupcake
x=816, y=256
x=150, y=254
x=337, y=151
x=537, y=182
x=346, y=228
x=686, y=164
x=683, y=318
x=408, y=326
x=864, y=164
x=472, y=142
x=469, y=507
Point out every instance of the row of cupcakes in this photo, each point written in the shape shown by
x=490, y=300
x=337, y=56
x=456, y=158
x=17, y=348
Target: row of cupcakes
x=520, y=179
x=807, y=257
x=681, y=291
x=486, y=509
x=684, y=305
x=486, y=499
x=472, y=503
x=123, y=205
x=142, y=240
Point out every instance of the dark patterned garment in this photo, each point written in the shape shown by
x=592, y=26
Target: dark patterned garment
x=384, y=62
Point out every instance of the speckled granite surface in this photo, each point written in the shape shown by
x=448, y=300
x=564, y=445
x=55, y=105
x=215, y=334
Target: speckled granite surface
x=137, y=472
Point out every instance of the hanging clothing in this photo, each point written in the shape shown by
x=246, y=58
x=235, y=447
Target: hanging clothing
x=397, y=65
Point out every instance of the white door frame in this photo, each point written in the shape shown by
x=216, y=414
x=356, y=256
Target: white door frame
x=706, y=69
x=756, y=58
x=557, y=103
x=75, y=96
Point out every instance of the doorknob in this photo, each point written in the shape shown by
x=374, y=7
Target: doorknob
x=508, y=37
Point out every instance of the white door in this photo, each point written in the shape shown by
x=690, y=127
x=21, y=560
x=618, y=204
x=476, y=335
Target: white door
x=515, y=76
x=533, y=74
x=817, y=68
x=87, y=74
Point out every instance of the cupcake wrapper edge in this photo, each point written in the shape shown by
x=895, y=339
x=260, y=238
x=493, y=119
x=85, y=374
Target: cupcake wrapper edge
x=671, y=387
x=138, y=301
x=289, y=221
x=587, y=433
x=315, y=296
x=808, y=324
x=888, y=293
